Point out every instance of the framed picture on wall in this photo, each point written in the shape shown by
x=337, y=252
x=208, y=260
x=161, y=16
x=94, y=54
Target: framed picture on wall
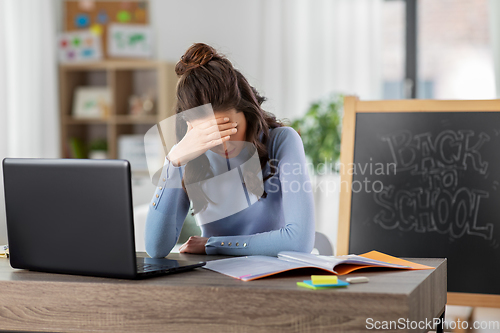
x=130, y=41
x=91, y=102
x=79, y=46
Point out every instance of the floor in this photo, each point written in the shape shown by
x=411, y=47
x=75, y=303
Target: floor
x=489, y=318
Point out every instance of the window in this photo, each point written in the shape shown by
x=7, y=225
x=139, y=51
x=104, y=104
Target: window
x=444, y=45
x=393, y=48
x=454, y=49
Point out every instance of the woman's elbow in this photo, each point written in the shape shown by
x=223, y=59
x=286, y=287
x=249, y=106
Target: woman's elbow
x=301, y=243
x=155, y=252
x=159, y=239
x=157, y=249
x=303, y=246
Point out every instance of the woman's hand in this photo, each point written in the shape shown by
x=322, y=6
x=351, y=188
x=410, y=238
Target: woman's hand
x=195, y=244
x=200, y=138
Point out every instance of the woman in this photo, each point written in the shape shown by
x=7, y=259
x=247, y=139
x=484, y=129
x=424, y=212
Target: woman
x=282, y=219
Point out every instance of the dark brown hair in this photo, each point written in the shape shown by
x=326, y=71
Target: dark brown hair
x=205, y=76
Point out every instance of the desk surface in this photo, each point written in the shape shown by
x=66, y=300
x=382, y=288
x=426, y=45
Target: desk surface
x=204, y=300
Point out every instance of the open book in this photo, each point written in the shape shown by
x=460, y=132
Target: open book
x=254, y=267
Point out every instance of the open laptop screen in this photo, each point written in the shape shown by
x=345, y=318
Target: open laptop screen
x=70, y=216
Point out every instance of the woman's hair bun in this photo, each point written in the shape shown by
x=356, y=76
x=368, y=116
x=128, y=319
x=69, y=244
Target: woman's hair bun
x=197, y=55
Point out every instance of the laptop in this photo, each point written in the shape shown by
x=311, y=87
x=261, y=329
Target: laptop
x=75, y=216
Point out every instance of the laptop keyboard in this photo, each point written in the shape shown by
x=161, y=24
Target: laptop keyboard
x=142, y=268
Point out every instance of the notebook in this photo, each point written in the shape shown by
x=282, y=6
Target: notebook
x=255, y=267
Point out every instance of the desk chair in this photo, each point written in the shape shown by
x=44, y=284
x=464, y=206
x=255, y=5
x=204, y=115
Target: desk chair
x=322, y=244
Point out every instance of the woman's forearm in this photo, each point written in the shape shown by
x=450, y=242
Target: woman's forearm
x=297, y=234
x=290, y=238
x=167, y=212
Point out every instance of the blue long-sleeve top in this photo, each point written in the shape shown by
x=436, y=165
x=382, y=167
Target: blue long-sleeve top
x=282, y=221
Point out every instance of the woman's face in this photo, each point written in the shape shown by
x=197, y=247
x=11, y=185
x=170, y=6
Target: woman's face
x=234, y=145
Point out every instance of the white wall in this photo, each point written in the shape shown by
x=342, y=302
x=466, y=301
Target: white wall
x=232, y=27
x=292, y=51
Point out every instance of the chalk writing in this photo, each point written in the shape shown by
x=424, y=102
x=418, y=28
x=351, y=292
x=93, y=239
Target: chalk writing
x=438, y=203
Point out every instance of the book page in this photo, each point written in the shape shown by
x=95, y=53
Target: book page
x=252, y=267
x=359, y=260
x=330, y=262
x=326, y=262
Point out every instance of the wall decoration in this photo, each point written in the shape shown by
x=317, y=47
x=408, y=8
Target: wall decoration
x=82, y=21
x=127, y=40
x=102, y=17
x=91, y=102
x=96, y=29
x=139, y=14
x=123, y=16
x=84, y=14
x=86, y=5
x=79, y=47
x=126, y=4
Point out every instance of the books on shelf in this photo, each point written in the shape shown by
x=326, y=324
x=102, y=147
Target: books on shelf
x=131, y=148
x=255, y=267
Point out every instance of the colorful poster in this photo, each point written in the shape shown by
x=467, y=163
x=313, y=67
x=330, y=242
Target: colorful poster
x=130, y=40
x=79, y=46
x=96, y=15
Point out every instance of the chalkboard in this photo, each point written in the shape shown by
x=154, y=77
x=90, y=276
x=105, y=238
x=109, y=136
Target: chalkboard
x=425, y=182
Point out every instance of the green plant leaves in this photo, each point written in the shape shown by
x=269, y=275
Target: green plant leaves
x=320, y=129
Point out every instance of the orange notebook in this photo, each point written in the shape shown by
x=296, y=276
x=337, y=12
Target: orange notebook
x=255, y=267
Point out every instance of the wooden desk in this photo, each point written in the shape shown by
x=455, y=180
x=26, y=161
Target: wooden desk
x=202, y=300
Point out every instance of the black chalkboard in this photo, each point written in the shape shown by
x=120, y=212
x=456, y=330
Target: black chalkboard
x=427, y=184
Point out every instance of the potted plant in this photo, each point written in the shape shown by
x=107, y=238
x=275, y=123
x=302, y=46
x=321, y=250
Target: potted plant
x=98, y=149
x=320, y=130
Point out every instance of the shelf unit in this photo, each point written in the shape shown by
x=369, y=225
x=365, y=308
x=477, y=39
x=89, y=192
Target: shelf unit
x=123, y=78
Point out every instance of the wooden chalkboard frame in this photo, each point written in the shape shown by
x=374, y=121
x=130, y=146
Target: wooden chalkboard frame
x=352, y=106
